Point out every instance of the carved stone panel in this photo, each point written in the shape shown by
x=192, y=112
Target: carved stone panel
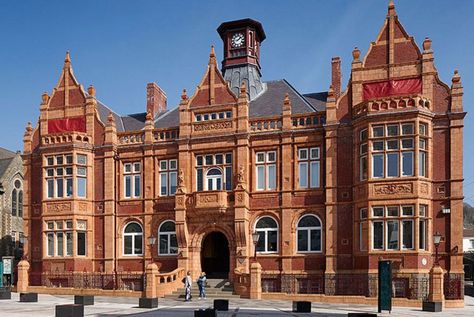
x=58, y=207
x=393, y=189
x=212, y=126
x=210, y=200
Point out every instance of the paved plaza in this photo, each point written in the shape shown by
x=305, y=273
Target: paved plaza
x=113, y=306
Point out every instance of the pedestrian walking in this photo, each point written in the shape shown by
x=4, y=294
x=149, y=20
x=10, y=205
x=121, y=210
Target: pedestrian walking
x=202, y=285
x=187, y=287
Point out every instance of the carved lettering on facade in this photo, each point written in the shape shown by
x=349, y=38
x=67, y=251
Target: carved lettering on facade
x=213, y=126
x=59, y=207
x=393, y=189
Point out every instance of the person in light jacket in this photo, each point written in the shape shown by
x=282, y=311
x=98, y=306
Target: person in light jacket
x=187, y=287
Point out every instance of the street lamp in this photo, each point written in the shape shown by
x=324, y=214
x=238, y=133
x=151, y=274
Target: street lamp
x=23, y=241
x=255, y=237
x=151, y=243
x=437, y=240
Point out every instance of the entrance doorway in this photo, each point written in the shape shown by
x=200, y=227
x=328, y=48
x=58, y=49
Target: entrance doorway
x=215, y=255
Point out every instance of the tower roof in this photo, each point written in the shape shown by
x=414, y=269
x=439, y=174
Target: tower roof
x=240, y=24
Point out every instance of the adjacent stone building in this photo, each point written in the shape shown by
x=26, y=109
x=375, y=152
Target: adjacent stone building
x=332, y=181
x=11, y=203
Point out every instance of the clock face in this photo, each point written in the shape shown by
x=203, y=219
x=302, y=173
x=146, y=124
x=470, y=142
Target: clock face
x=238, y=40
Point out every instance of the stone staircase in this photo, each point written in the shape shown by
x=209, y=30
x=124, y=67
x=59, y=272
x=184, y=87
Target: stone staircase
x=215, y=289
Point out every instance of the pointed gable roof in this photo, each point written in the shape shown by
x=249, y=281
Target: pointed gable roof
x=213, y=89
x=68, y=91
x=393, y=44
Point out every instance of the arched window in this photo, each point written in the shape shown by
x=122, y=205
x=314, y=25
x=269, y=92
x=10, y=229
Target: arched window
x=167, y=238
x=133, y=239
x=309, y=234
x=214, y=179
x=20, y=203
x=14, y=202
x=267, y=227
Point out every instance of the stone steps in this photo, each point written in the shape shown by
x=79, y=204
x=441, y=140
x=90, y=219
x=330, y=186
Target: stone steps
x=215, y=289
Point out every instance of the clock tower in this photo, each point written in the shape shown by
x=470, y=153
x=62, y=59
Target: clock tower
x=242, y=40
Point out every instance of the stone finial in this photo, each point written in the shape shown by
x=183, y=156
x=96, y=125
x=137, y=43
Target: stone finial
x=456, y=77
x=427, y=44
x=28, y=128
x=91, y=91
x=287, y=103
x=184, y=95
x=355, y=54
x=330, y=92
x=67, y=59
x=243, y=90
x=149, y=116
x=212, y=56
x=45, y=98
x=110, y=118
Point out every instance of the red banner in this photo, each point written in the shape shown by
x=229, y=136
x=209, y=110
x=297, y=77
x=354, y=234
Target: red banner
x=77, y=124
x=392, y=88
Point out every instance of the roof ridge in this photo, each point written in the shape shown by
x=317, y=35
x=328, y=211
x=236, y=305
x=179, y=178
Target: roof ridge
x=300, y=95
x=164, y=114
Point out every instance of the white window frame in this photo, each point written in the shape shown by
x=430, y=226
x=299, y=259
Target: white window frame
x=265, y=231
x=133, y=174
x=168, y=234
x=309, y=160
x=267, y=164
x=169, y=173
x=213, y=179
x=308, y=230
x=132, y=234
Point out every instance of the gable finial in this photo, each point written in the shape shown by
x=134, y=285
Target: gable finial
x=212, y=56
x=391, y=8
x=67, y=59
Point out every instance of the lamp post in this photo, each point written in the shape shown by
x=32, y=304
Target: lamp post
x=436, y=241
x=255, y=237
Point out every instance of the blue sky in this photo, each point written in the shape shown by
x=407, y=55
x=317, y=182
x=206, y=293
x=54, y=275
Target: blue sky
x=119, y=46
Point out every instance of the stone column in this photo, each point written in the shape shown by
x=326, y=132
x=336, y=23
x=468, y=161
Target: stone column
x=255, y=281
x=23, y=278
x=151, y=283
x=436, y=284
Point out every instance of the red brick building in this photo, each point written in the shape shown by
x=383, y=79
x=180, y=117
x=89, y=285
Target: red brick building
x=333, y=181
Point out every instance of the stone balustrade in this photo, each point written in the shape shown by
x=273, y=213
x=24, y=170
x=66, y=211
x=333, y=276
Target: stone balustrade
x=391, y=104
x=61, y=138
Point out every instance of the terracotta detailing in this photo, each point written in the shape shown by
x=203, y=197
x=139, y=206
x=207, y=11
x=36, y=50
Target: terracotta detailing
x=392, y=88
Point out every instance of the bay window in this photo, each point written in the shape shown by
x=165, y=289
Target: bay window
x=60, y=173
x=393, y=227
x=60, y=235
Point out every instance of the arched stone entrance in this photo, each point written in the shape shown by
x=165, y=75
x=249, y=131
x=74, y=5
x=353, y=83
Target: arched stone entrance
x=215, y=257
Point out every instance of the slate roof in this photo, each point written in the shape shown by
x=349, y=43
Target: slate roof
x=4, y=153
x=268, y=104
x=6, y=157
x=468, y=233
x=317, y=100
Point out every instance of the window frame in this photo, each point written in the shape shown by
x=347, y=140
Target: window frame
x=133, y=235
x=132, y=175
x=267, y=165
x=168, y=235
x=308, y=230
x=265, y=231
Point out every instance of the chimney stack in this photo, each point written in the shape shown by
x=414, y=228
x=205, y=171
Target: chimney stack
x=155, y=99
x=336, y=76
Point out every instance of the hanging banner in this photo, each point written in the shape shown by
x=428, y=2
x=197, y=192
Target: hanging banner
x=77, y=124
x=392, y=88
